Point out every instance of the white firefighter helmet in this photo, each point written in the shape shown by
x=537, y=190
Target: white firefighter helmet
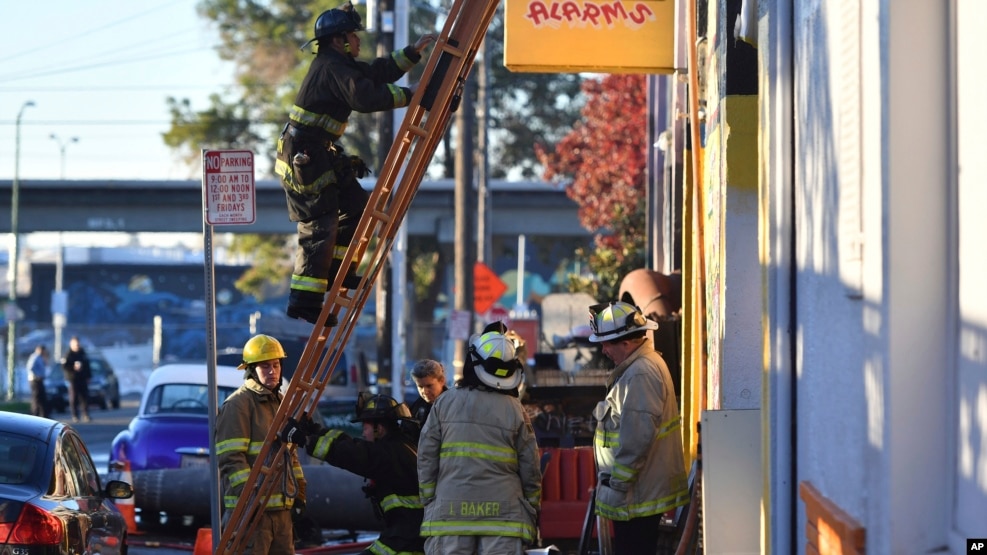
x=617, y=319
x=494, y=358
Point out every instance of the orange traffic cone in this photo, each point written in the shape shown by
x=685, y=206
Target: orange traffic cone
x=126, y=506
x=203, y=542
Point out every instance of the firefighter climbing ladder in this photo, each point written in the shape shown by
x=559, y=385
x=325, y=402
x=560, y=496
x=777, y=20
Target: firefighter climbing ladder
x=424, y=125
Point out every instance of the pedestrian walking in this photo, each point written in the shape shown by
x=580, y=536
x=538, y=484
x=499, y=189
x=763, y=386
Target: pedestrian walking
x=75, y=367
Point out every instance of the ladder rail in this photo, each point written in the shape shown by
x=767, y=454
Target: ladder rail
x=414, y=146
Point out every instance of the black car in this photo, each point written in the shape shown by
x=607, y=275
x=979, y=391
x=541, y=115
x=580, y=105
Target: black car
x=51, y=498
x=104, y=388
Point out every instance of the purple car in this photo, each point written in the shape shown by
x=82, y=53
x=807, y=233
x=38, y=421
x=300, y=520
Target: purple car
x=171, y=429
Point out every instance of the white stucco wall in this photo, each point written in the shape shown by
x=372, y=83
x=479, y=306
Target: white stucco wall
x=873, y=275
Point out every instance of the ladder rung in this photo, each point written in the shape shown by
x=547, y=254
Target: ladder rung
x=454, y=50
x=382, y=216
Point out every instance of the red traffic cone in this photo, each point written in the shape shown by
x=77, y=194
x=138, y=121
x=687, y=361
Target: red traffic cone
x=203, y=542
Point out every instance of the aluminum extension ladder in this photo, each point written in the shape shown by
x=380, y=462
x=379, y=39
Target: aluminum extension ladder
x=425, y=123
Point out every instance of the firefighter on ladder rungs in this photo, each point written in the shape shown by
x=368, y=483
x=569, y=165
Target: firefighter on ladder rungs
x=318, y=177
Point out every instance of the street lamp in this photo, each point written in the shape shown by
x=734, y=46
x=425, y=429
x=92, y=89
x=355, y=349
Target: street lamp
x=61, y=148
x=12, y=312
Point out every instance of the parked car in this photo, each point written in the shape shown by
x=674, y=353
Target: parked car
x=104, y=387
x=171, y=429
x=51, y=498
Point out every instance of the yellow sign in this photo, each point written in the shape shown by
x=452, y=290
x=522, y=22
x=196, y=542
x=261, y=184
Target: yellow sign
x=571, y=36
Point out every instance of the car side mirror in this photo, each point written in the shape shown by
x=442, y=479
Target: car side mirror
x=117, y=489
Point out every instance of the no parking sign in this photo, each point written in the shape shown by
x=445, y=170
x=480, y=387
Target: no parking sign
x=228, y=187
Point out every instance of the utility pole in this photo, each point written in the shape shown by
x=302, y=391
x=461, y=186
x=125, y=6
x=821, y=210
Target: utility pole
x=465, y=205
x=385, y=134
x=12, y=309
x=484, y=233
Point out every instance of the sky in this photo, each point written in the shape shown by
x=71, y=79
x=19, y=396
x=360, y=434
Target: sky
x=100, y=71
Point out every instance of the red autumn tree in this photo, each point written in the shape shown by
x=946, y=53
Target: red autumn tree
x=602, y=164
x=602, y=160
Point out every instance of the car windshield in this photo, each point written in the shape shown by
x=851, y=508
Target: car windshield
x=19, y=457
x=183, y=398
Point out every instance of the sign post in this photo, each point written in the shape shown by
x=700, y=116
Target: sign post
x=228, y=198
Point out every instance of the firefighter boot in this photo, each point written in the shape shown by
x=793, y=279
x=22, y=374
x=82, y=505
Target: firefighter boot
x=351, y=281
x=307, y=306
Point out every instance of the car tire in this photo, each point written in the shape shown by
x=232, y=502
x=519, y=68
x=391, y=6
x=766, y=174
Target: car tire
x=115, y=403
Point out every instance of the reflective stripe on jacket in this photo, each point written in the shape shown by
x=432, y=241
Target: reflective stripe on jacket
x=391, y=464
x=478, y=466
x=241, y=428
x=638, y=440
x=334, y=87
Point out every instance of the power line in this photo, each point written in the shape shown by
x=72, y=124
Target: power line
x=60, y=43
x=54, y=71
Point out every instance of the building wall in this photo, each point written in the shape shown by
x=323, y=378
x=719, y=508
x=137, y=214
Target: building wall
x=871, y=173
x=969, y=406
x=874, y=287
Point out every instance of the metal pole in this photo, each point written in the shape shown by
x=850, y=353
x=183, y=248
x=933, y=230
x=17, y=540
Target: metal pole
x=464, y=252
x=12, y=312
x=483, y=231
x=399, y=250
x=215, y=493
x=61, y=149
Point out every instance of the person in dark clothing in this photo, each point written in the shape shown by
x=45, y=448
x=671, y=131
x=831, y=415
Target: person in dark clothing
x=386, y=456
x=75, y=366
x=319, y=179
x=37, y=371
x=430, y=379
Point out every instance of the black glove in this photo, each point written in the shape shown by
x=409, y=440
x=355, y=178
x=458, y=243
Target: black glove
x=298, y=509
x=360, y=168
x=294, y=432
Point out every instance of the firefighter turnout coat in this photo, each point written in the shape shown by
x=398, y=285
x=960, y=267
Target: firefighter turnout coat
x=478, y=466
x=335, y=86
x=391, y=465
x=638, y=440
x=241, y=428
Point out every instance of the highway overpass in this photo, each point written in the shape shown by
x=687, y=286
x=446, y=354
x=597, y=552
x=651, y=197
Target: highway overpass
x=531, y=208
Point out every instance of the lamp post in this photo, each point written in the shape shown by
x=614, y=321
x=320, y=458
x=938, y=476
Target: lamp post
x=12, y=312
x=61, y=148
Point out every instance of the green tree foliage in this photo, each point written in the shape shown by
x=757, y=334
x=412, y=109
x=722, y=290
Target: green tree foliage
x=272, y=263
x=602, y=163
x=526, y=109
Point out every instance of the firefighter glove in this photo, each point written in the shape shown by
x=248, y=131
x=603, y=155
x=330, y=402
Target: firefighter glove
x=360, y=168
x=298, y=509
x=293, y=432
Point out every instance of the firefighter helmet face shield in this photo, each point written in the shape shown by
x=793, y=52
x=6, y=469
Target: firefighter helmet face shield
x=611, y=321
x=494, y=358
x=341, y=20
x=260, y=348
